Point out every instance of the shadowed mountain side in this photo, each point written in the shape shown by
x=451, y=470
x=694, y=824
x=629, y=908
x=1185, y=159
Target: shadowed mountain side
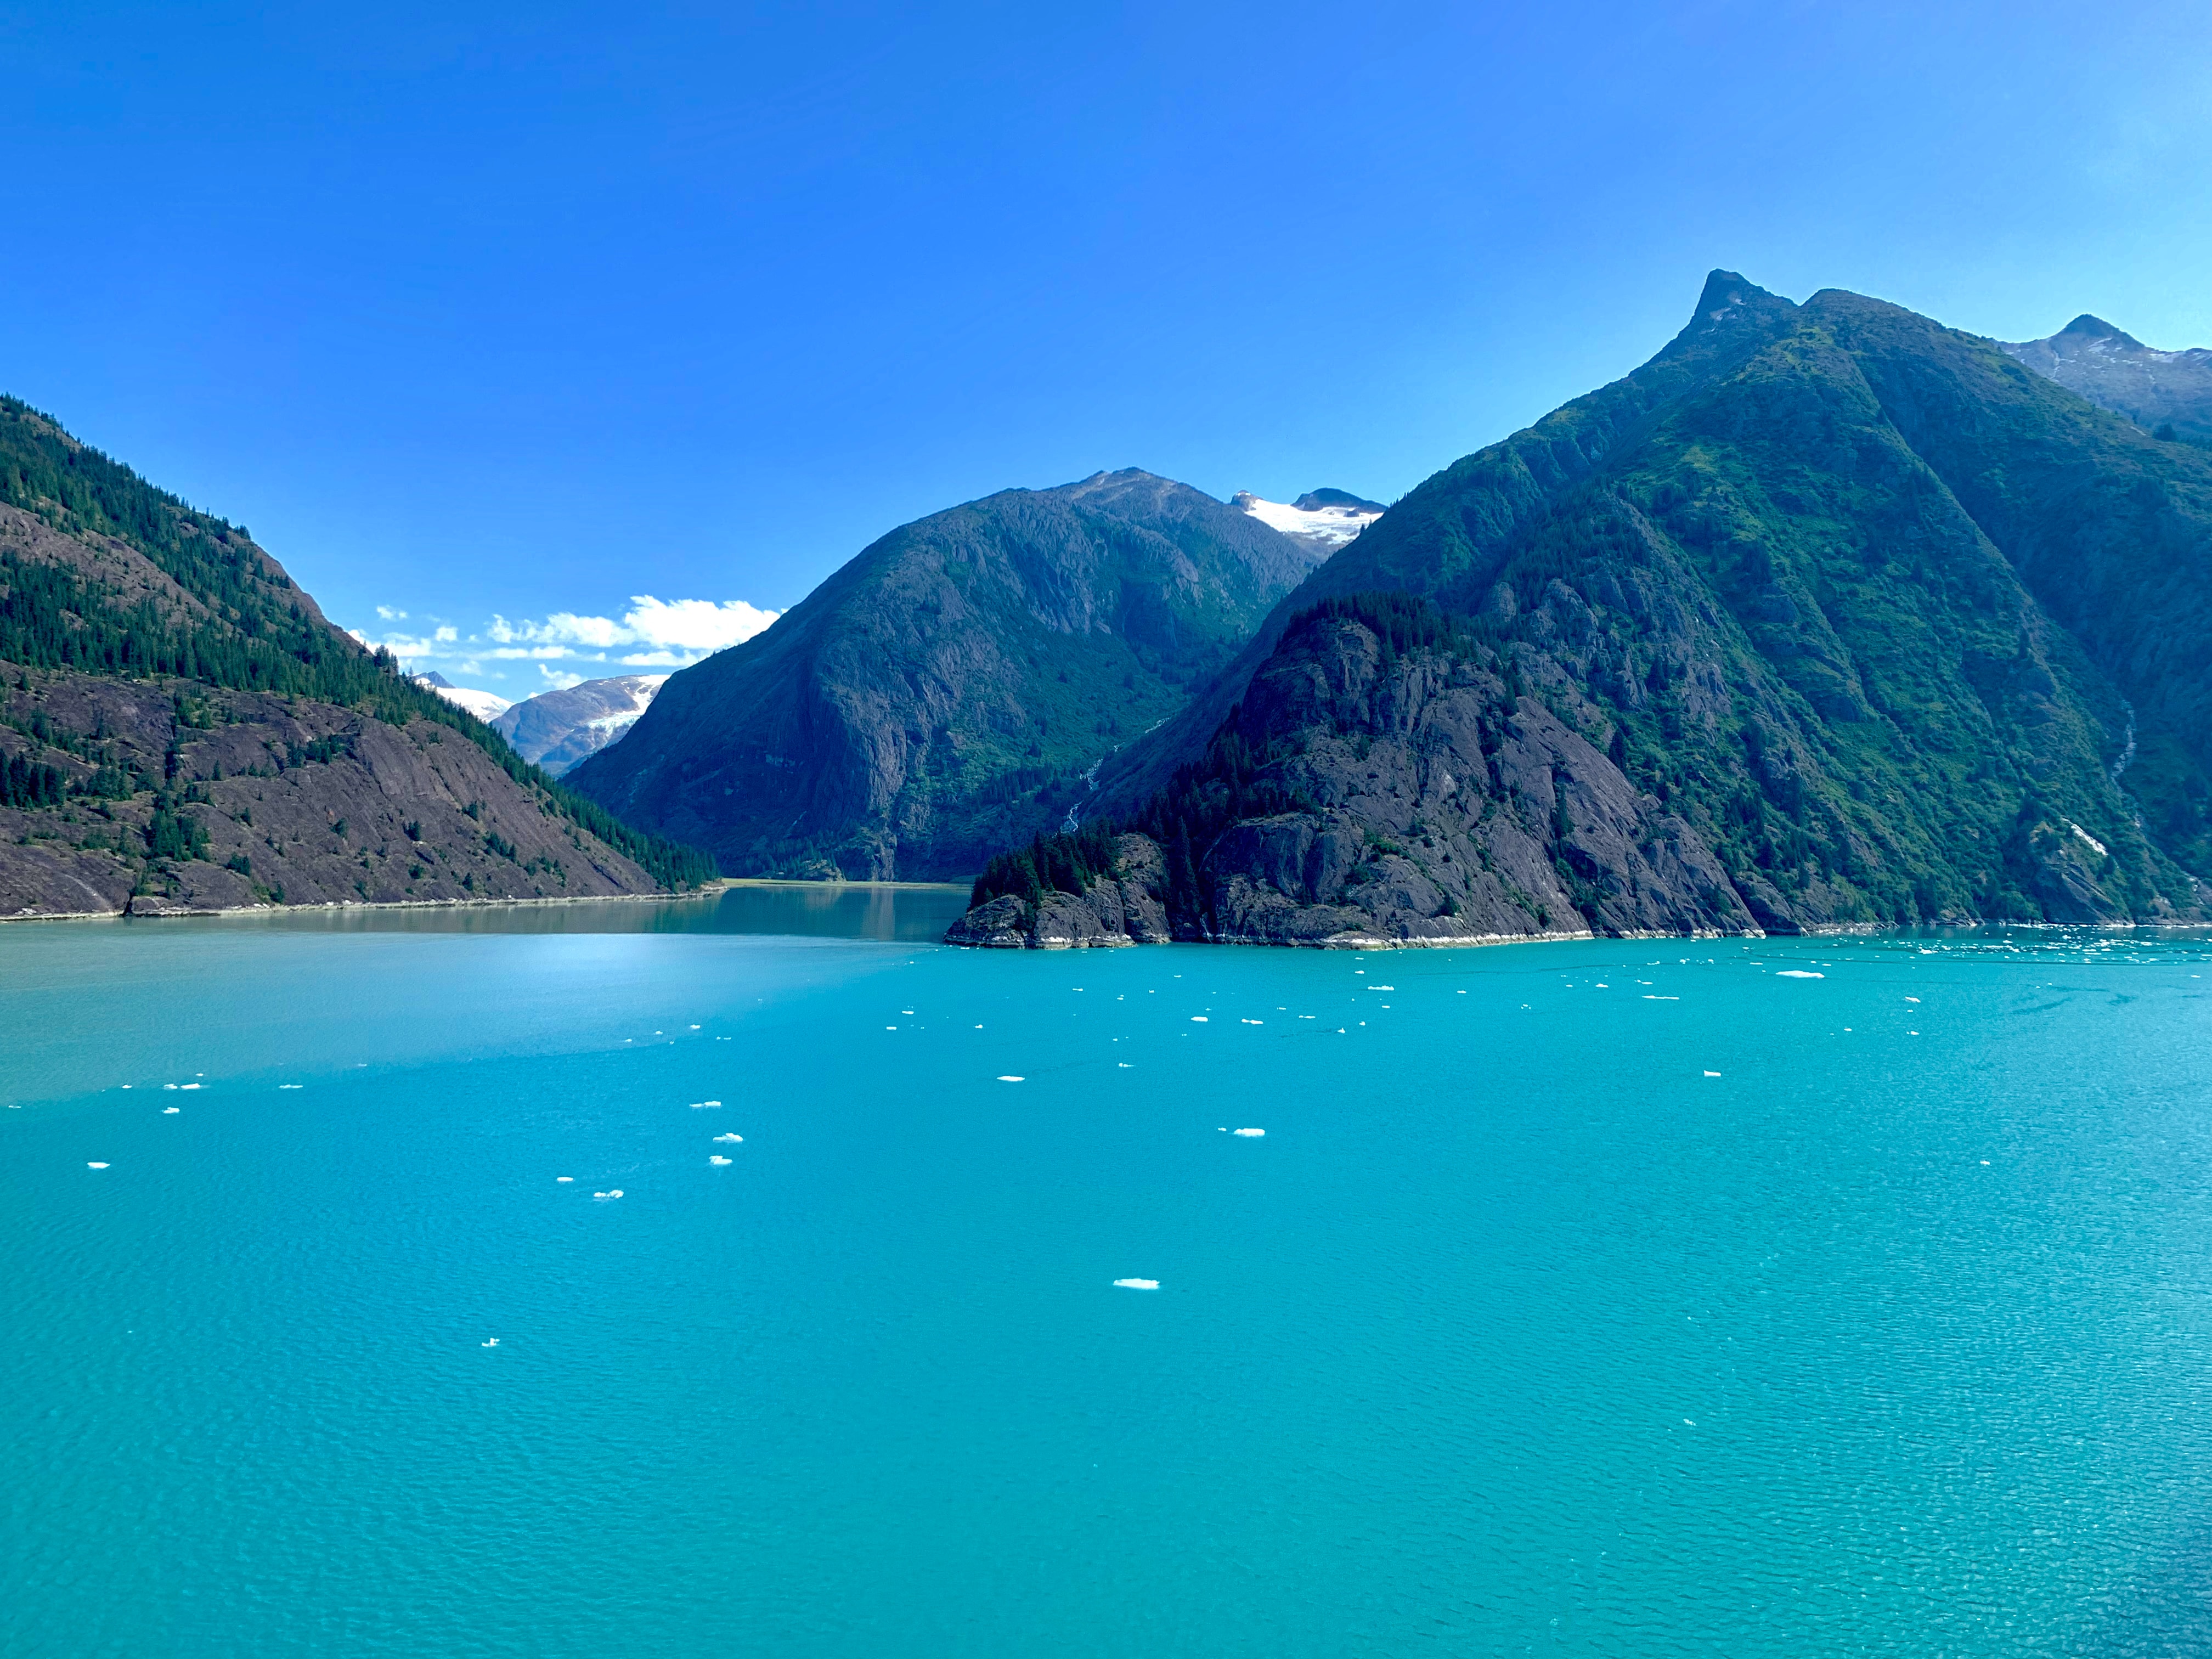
x=1462, y=517
x=948, y=690
x=1884, y=618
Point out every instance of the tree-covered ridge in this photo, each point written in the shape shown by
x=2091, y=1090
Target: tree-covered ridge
x=232, y=619
x=948, y=691
x=1895, y=629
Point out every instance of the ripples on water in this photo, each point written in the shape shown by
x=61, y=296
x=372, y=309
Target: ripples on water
x=1517, y=1331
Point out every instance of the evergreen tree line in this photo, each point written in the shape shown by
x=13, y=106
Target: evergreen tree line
x=27, y=784
x=260, y=638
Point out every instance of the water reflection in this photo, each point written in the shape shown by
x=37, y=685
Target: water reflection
x=908, y=912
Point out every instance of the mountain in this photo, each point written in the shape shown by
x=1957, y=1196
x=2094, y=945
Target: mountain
x=1828, y=616
x=952, y=686
x=1325, y=519
x=486, y=705
x=557, y=729
x=181, y=728
x=2156, y=390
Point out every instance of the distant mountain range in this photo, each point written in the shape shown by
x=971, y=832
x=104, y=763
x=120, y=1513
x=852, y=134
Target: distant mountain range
x=955, y=684
x=1828, y=616
x=2165, y=392
x=181, y=730
x=557, y=730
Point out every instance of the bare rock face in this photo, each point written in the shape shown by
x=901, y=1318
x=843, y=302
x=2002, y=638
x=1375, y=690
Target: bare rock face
x=182, y=730
x=1124, y=908
x=1418, y=801
x=177, y=797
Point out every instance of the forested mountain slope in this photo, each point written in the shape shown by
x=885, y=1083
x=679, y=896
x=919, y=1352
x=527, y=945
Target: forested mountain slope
x=949, y=689
x=181, y=729
x=1826, y=616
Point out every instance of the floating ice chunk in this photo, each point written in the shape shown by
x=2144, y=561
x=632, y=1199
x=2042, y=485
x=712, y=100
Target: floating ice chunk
x=564, y=1178
x=615, y=1192
x=1248, y=1132
x=2192, y=976
x=171, y=1111
x=492, y=1343
x=169, y=1085
x=191, y=1085
x=1198, y=1019
x=1649, y=996
x=1908, y=1000
x=1798, y=973
x=1123, y=1064
x=1012, y=1079
x=695, y=1028
x=291, y=1085
x=1381, y=988
x=96, y=1166
x=704, y=1105
x=1712, y=1075
x=1136, y=1284
x=716, y=1157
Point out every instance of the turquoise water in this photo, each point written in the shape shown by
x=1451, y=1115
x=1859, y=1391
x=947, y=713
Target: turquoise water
x=1515, y=1333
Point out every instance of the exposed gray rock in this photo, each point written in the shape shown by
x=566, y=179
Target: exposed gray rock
x=1434, y=808
x=559, y=729
x=1124, y=908
x=298, y=803
x=2110, y=368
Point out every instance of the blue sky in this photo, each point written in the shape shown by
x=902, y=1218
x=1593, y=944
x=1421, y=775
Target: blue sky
x=523, y=311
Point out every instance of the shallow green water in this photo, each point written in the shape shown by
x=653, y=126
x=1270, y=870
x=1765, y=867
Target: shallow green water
x=1517, y=1332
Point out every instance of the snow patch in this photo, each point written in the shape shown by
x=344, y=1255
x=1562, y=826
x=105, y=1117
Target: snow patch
x=1333, y=525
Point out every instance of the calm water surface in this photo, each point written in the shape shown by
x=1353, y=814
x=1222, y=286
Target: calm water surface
x=1519, y=1330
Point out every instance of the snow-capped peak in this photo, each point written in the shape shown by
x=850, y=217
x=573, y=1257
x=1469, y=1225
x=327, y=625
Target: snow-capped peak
x=1328, y=517
x=486, y=705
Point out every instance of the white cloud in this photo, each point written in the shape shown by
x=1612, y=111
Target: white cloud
x=693, y=626
x=653, y=633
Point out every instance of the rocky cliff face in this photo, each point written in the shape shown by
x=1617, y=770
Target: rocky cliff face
x=1868, y=625
x=181, y=730
x=174, y=796
x=953, y=687
x=2160, y=391
x=1125, y=904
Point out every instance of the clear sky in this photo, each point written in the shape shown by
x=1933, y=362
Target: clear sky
x=523, y=311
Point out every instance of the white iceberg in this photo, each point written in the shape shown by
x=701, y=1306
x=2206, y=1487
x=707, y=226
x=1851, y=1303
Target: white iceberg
x=1136, y=1284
